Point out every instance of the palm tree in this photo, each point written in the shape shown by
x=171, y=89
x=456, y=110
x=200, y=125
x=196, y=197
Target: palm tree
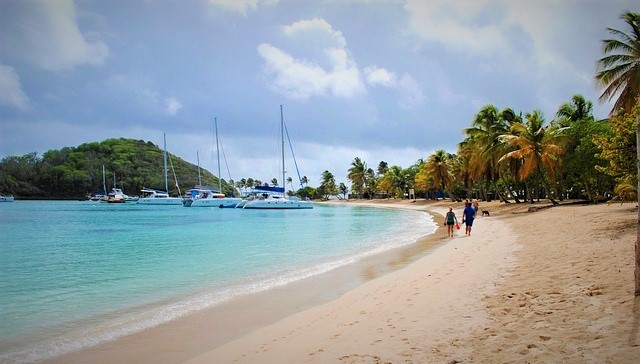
x=538, y=146
x=290, y=181
x=577, y=109
x=357, y=175
x=618, y=74
x=438, y=167
x=274, y=182
x=383, y=167
x=484, y=138
x=394, y=180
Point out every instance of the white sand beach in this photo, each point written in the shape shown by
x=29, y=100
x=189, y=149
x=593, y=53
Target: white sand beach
x=550, y=286
x=554, y=285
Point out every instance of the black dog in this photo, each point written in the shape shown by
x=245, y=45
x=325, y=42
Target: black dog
x=485, y=213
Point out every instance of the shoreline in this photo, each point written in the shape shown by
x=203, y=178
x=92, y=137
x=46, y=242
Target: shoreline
x=554, y=285
x=241, y=315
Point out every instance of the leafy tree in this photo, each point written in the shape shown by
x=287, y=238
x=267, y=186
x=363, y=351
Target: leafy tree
x=618, y=74
x=485, y=145
x=343, y=190
x=357, y=174
x=438, y=167
x=382, y=168
x=538, y=146
x=328, y=185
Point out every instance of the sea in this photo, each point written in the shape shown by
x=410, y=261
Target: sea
x=74, y=274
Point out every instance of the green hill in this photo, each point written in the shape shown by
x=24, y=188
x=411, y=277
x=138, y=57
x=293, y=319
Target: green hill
x=74, y=172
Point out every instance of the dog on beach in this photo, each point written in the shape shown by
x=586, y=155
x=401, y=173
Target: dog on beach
x=485, y=213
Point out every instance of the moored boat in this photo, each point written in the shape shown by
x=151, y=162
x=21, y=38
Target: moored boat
x=6, y=198
x=206, y=197
x=117, y=196
x=275, y=197
x=202, y=196
x=157, y=197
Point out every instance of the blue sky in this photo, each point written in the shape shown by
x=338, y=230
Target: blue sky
x=383, y=80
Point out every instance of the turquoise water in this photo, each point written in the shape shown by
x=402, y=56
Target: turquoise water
x=75, y=273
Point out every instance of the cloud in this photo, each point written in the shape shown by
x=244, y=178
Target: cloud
x=462, y=26
x=301, y=78
x=46, y=34
x=11, y=93
x=410, y=92
x=172, y=105
x=316, y=25
x=241, y=6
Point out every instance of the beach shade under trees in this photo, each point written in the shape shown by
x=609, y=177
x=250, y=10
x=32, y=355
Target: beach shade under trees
x=618, y=76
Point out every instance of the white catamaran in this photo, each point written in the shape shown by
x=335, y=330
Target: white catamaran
x=156, y=197
x=205, y=196
x=275, y=197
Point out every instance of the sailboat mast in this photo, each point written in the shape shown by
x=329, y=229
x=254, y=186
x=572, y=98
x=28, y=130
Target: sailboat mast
x=166, y=172
x=215, y=120
x=282, y=135
x=199, y=176
x=104, y=181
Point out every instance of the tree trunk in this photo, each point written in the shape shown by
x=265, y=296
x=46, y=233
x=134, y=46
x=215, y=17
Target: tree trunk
x=547, y=190
x=637, y=269
x=586, y=187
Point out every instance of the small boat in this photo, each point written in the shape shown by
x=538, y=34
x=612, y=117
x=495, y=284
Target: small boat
x=206, y=197
x=267, y=197
x=117, y=196
x=275, y=197
x=97, y=197
x=6, y=198
x=157, y=197
x=202, y=196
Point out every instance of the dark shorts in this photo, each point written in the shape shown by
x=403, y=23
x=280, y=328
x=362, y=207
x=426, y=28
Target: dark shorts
x=469, y=222
x=450, y=223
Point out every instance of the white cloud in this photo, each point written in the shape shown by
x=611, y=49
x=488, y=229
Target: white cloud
x=11, y=93
x=300, y=78
x=241, y=6
x=172, y=105
x=316, y=25
x=409, y=90
x=46, y=34
x=455, y=25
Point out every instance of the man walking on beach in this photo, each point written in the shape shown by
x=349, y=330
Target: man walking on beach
x=468, y=215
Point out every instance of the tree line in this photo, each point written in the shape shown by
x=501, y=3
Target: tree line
x=514, y=157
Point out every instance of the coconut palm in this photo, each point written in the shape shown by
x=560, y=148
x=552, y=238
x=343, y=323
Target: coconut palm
x=618, y=74
x=438, y=167
x=577, y=109
x=357, y=174
x=484, y=139
x=538, y=146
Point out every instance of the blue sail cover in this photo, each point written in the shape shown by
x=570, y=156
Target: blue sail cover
x=269, y=189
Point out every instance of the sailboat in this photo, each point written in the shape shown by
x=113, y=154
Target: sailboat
x=202, y=196
x=275, y=197
x=157, y=197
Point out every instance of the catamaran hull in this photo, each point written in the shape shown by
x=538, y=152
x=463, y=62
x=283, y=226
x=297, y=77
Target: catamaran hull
x=278, y=205
x=213, y=202
x=160, y=201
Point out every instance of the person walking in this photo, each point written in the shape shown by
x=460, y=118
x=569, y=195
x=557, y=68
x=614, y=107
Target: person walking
x=468, y=215
x=450, y=220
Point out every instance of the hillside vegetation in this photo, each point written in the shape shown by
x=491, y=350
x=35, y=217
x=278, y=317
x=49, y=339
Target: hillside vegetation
x=74, y=172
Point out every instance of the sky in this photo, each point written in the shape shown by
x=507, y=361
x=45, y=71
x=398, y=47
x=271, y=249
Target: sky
x=382, y=80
